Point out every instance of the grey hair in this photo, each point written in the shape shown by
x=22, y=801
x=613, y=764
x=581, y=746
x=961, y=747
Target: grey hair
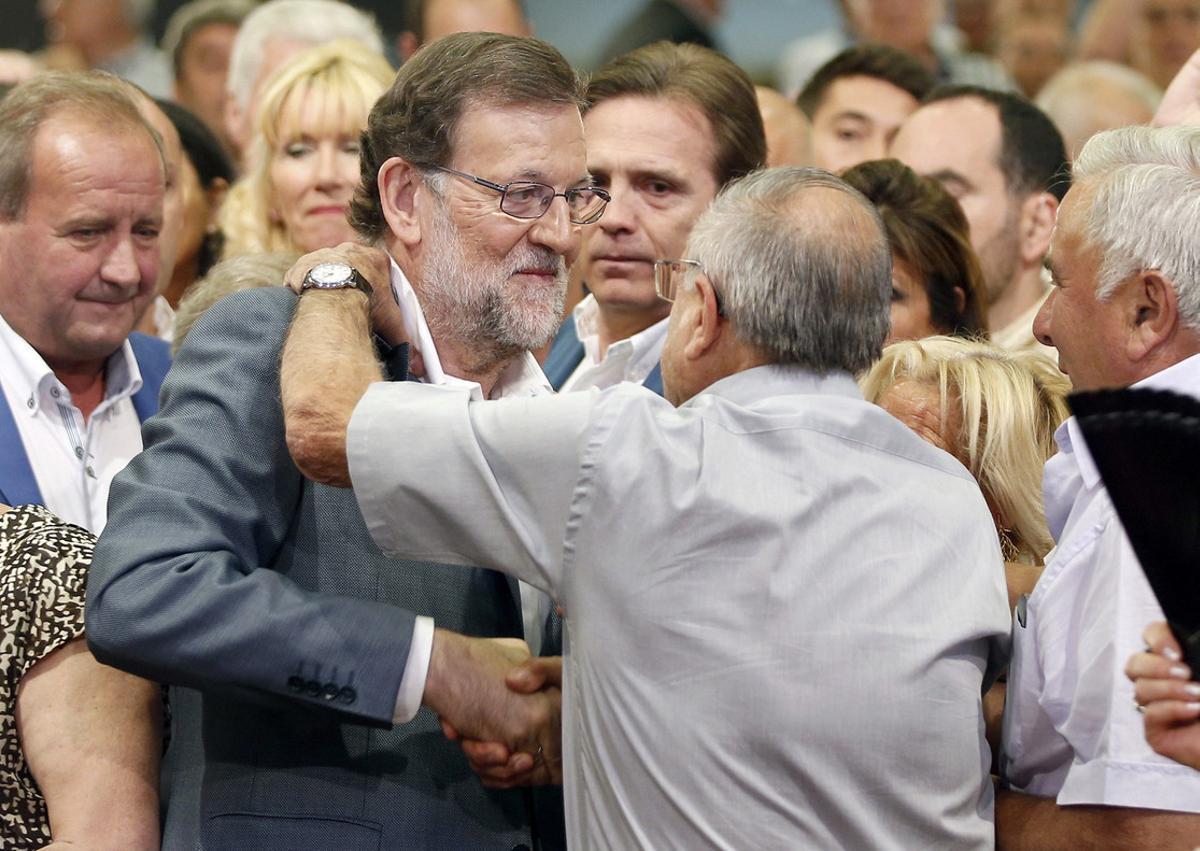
x=805, y=284
x=194, y=16
x=1078, y=80
x=1145, y=210
x=230, y=276
x=312, y=21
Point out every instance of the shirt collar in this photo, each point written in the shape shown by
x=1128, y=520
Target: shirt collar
x=760, y=382
x=645, y=343
x=35, y=381
x=522, y=377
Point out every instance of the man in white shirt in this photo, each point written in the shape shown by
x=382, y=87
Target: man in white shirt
x=81, y=208
x=223, y=570
x=667, y=126
x=1003, y=159
x=1125, y=310
x=781, y=605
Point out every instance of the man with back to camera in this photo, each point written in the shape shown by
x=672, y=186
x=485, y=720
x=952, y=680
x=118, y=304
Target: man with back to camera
x=753, y=695
x=304, y=654
x=80, y=219
x=1125, y=310
x=667, y=126
x=1006, y=164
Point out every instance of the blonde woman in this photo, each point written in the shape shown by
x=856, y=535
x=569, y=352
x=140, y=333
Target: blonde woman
x=995, y=411
x=302, y=164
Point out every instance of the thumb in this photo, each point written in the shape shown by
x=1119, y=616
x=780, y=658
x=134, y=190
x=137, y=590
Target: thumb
x=535, y=674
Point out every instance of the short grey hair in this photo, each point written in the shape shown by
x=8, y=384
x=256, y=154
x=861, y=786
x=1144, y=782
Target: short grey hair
x=98, y=96
x=194, y=16
x=312, y=21
x=1077, y=82
x=812, y=290
x=1145, y=210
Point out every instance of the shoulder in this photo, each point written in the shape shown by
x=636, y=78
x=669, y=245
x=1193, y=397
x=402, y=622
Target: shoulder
x=257, y=318
x=150, y=351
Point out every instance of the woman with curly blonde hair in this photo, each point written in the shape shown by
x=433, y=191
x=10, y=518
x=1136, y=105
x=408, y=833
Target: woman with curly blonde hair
x=996, y=412
x=302, y=164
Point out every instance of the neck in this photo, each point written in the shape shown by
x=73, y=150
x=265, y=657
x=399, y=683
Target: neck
x=86, y=383
x=615, y=324
x=182, y=277
x=1022, y=293
x=108, y=43
x=473, y=362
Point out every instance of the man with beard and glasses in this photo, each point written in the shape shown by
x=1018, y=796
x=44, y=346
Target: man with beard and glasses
x=310, y=670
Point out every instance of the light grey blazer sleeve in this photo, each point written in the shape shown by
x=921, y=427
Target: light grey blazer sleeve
x=206, y=573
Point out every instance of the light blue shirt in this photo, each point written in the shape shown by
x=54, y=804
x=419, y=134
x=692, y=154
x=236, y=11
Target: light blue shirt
x=781, y=605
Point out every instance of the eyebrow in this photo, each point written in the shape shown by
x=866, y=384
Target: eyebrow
x=852, y=114
x=947, y=175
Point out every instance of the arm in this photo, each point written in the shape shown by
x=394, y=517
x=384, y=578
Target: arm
x=1029, y=823
x=1169, y=701
x=91, y=736
x=1181, y=101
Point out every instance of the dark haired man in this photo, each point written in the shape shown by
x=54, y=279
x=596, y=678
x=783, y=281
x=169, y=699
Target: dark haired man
x=1006, y=164
x=315, y=660
x=857, y=101
x=667, y=126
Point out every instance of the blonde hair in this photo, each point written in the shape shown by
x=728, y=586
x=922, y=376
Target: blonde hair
x=1010, y=404
x=346, y=80
x=228, y=277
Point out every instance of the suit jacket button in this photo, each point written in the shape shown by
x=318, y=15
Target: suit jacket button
x=347, y=695
x=295, y=683
x=330, y=692
x=313, y=688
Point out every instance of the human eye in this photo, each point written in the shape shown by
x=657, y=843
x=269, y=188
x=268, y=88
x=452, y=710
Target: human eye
x=657, y=187
x=897, y=295
x=296, y=150
x=351, y=146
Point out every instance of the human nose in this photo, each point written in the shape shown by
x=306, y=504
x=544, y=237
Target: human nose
x=120, y=266
x=330, y=173
x=1041, y=322
x=554, y=228
x=618, y=215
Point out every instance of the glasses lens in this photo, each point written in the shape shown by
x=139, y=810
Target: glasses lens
x=526, y=200
x=587, y=205
x=664, y=279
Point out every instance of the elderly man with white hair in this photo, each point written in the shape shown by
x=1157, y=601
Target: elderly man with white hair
x=273, y=33
x=781, y=604
x=1125, y=310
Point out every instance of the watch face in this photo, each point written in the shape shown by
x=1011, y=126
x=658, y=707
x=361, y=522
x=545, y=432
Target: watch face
x=330, y=274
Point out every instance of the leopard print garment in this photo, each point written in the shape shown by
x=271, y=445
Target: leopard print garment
x=43, y=571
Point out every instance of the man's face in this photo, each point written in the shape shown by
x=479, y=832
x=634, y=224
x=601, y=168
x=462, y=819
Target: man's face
x=174, y=211
x=1088, y=333
x=857, y=120
x=1164, y=36
x=957, y=143
x=656, y=156
x=445, y=17
x=905, y=24
x=203, y=68
x=482, y=272
x=78, y=268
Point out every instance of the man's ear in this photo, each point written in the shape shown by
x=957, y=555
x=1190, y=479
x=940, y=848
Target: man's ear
x=1038, y=214
x=399, y=183
x=707, y=324
x=234, y=131
x=1152, y=311
x=406, y=45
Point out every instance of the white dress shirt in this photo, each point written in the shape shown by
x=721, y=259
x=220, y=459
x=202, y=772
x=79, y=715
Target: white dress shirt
x=521, y=378
x=781, y=604
x=73, y=461
x=631, y=359
x=1071, y=729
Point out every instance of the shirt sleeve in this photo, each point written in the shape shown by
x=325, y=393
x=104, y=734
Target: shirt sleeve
x=444, y=476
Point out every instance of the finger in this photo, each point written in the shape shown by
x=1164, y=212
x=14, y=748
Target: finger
x=535, y=674
x=513, y=770
x=1155, y=667
x=1158, y=638
x=485, y=753
x=1171, y=713
x=1148, y=691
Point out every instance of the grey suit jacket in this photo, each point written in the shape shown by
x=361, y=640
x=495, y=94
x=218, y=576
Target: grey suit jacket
x=283, y=630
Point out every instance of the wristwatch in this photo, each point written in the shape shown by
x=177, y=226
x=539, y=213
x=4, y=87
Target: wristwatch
x=334, y=276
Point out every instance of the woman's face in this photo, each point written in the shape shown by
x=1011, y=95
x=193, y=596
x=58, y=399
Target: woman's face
x=910, y=305
x=197, y=212
x=313, y=170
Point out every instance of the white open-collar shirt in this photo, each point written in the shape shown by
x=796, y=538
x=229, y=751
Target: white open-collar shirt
x=1071, y=727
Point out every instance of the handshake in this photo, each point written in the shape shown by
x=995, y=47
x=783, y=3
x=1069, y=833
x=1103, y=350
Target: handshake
x=502, y=704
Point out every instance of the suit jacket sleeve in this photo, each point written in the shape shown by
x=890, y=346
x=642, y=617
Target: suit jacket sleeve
x=181, y=590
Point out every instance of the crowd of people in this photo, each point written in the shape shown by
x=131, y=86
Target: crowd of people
x=357, y=493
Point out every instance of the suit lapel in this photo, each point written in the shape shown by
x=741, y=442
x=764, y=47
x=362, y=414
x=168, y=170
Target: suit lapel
x=17, y=483
x=565, y=354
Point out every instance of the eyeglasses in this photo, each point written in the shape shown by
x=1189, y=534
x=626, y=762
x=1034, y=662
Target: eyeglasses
x=525, y=199
x=670, y=274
